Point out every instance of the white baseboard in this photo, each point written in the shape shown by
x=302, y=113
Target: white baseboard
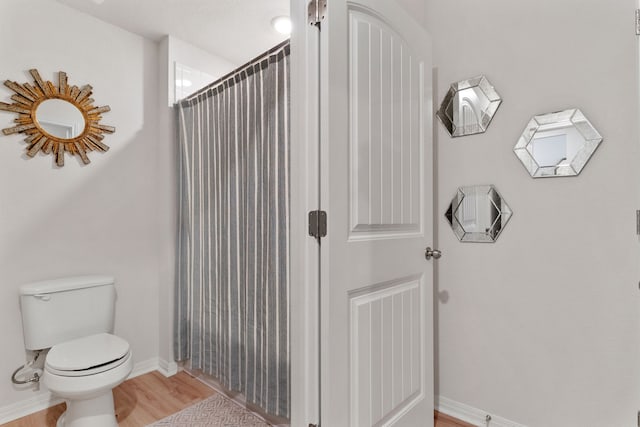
x=166, y=368
x=144, y=367
x=28, y=406
x=44, y=399
x=471, y=415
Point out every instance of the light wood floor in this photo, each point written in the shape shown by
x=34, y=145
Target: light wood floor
x=138, y=401
x=142, y=400
x=442, y=420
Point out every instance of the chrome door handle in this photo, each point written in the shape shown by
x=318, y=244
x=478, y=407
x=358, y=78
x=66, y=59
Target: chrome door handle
x=432, y=253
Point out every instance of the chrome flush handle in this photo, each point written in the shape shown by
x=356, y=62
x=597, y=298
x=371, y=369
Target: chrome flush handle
x=432, y=253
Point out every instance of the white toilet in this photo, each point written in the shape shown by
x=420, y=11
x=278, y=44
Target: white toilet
x=74, y=318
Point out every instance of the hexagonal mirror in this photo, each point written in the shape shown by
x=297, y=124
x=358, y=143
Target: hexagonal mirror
x=478, y=213
x=557, y=144
x=469, y=106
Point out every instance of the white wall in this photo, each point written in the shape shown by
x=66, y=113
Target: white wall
x=542, y=327
x=416, y=8
x=100, y=218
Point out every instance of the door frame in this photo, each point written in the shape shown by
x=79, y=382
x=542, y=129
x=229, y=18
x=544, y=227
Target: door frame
x=304, y=281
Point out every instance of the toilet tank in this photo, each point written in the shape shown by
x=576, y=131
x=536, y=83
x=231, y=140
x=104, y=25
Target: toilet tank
x=54, y=311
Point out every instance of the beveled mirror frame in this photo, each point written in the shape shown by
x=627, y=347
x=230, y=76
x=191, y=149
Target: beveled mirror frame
x=492, y=231
x=488, y=92
x=28, y=97
x=558, y=120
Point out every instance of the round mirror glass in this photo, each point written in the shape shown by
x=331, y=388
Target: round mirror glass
x=60, y=118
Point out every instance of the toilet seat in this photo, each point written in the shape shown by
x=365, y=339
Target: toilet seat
x=88, y=355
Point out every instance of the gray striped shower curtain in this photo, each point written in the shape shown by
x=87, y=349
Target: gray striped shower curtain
x=232, y=293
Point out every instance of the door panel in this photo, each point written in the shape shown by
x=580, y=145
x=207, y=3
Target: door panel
x=376, y=185
x=386, y=350
x=386, y=105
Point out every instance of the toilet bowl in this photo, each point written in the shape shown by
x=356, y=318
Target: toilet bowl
x=83, y=372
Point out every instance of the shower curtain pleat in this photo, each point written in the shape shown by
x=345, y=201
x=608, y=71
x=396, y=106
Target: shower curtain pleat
x=232, y=291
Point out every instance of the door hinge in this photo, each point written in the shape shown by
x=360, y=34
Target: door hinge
x=317, y=224
x=638, y=222
x=316, y=11
x=637, y=22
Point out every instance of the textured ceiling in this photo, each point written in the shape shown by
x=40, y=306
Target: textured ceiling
x=236, y=30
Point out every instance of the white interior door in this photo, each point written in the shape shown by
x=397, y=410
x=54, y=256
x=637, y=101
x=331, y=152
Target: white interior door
x=376, y=312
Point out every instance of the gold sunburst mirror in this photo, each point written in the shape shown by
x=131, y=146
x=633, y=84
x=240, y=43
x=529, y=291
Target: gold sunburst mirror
x=57, y=119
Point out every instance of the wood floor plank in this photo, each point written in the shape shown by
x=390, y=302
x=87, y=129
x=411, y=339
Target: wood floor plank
x=138, y=401
x=142, y=400
x=443, y=420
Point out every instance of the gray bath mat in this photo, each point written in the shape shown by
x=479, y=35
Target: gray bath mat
x=216, y=411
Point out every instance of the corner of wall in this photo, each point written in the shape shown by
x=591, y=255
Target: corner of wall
x=165, y=71
x=168, y=368
x=166, y=204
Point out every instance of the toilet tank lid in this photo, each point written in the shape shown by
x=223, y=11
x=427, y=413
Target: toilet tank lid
x=65, y=284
